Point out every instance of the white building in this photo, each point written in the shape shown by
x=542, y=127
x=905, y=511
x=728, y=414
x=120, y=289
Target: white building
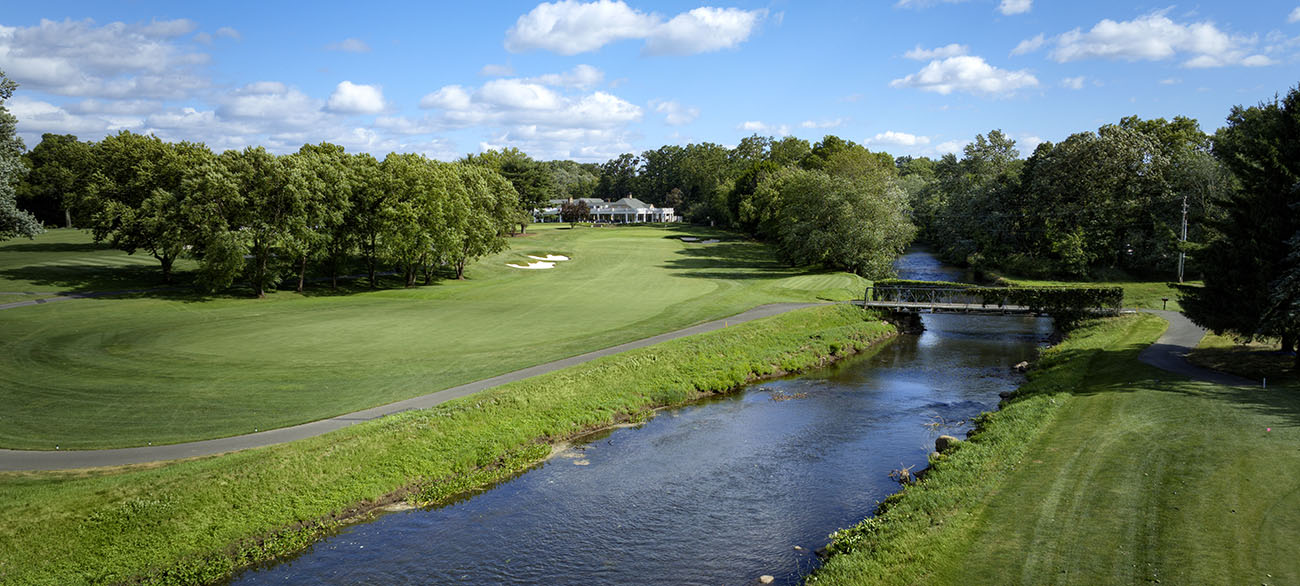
x=628, y=210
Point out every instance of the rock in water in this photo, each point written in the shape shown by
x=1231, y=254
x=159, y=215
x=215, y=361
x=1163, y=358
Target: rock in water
x=1021, y=366
x=943, y=442
x=765, y=579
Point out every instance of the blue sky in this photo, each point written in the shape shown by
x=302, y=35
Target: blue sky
x=590, y=80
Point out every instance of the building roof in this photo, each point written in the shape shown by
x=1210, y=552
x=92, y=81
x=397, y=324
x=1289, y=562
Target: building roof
x=631, y=202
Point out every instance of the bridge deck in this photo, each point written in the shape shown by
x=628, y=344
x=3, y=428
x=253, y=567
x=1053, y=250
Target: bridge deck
x=949, y=307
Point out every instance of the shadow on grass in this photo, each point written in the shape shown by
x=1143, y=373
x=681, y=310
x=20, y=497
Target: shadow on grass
x=728, y=260
x=91, y=279
x=1119, y=371
x=55, y=247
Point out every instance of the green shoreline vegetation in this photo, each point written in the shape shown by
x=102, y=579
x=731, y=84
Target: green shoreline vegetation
x=198, y=521
x=1099, y=470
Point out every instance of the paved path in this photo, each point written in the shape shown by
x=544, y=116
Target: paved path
x=67, y=296
x=60, y=460
x=1170, y=351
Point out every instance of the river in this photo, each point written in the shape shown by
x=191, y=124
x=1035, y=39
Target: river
x=717, y=492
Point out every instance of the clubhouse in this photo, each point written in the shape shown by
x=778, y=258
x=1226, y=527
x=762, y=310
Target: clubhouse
x=628, y=210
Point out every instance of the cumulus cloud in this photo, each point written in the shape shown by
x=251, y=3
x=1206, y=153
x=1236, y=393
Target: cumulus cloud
x=1030, y=45
x=951, y=146
x=822, y=123
x=944, y=52
x=1156, y=37
x=493, y=70
x=349, y=45
x=703, y=30
x=353, y=98
x=675, y=114
x=569, y=27
x=1074, y=83
x=758, y=126
x=116, y=60
x=1015, y=6
x=272, y=101
x=1294, y=16
x=966, y=74
x=890, y=137
x=581, y=77
x=522, y=102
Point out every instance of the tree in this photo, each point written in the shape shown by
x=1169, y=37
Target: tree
x=135, y=197
x=421, y=221
x=533, y=181
x=575, y=180
x=60, y=167
x=480, y=226
x=574, y=212
x=327, y=200
x=13, y=221
x=854, y=224
x=1250, y=261
x=366, y=223
x=618, y=177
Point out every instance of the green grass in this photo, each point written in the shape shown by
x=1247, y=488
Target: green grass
x=1101, y=471
x=68, y=261
x=196, y=521
x=1255, y=360
x=1137, y=294
x=172, y=367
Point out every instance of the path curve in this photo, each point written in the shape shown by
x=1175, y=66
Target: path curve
x=1171, y=350
x=12, y=460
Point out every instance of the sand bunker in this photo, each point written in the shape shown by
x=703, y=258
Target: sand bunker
x=550, y=257
x=533, y=265
x=690, y=239
x=711, y=241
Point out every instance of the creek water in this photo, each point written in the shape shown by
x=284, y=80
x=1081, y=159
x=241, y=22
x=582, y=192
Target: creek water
x=717, y=492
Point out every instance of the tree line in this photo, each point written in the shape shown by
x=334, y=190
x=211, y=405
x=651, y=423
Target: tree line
x=254, y=217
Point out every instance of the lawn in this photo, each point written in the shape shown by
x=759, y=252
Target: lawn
x=171, y=366
x=1102, y=471
x=195, y=521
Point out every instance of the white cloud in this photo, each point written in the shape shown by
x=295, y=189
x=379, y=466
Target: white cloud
x=520, y=102
x=569, y=27
x=944, y=52
x=890, y=137
x=228, y=33
x=675, y=114
x=581, y=77
x=272, y=102
x=951, y=146
x=822, y=124
x=1030, y=45
x=1074, y=83
x=966, y=74
x=1294, y=16
x=451, y=97
x=36, y=117
x=1170, y=81
x=1015, y=6
x=703, y=30
x=757, y=126
x=354, y=98
x=493, y=70
x=1155, y=37
x=349, y=45
x=404, y=125
x=117, y=60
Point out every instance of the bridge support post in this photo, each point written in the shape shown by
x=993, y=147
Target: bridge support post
x=907, y=322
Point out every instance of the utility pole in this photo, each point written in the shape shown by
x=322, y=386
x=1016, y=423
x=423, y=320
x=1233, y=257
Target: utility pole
x=1182, y=255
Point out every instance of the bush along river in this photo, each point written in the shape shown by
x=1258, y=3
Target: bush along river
x=719, y=492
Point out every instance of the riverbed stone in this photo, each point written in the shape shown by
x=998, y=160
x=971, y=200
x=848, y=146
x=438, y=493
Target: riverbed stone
x=943, y=442
x=766, y=579
x=1022, y=366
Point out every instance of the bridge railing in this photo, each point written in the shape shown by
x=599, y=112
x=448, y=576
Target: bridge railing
x=1055, y=300
x=930, y=295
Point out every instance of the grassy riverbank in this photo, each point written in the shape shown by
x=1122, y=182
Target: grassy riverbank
x=173, y=366
x=196, y=521
x=1101, y=471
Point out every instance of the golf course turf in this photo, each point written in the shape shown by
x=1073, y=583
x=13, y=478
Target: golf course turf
x=172, y=366
x=1101, y=470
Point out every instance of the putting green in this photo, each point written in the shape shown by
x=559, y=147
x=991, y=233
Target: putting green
x=113, y=372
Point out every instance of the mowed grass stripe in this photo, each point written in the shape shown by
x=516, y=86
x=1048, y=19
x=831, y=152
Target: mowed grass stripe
x=1106, y=471
x=112, y=372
